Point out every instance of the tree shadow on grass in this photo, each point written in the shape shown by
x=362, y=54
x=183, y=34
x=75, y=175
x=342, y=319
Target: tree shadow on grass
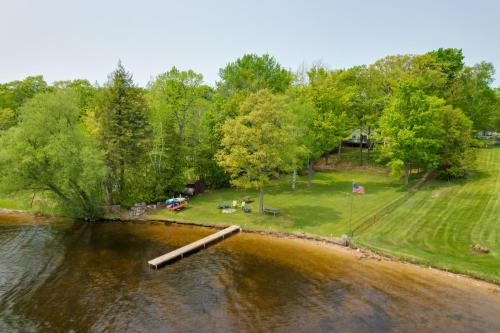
x=475, y=176
x=335, y=187
x=311, y=216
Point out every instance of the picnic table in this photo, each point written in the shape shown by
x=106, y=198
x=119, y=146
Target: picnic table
x=273, y=211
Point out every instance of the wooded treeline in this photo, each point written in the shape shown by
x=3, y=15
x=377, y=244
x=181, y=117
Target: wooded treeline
x=85, y=146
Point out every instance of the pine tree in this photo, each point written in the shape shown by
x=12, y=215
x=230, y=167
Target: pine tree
x=124, y=130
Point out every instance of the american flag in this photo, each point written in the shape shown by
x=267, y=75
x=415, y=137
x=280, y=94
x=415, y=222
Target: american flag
x=358, y=189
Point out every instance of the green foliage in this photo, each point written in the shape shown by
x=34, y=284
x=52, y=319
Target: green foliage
x=58, y=159
x=179, y=101
x=332, y=98
x=253, y=73
x=83, y=88
x=123, y=132
x=423, y=110
x=450, y=61
x=472, y=93
x=7, y=118
x=14, y=94
x=257, y=144
x=456, y=153
x=410, y=128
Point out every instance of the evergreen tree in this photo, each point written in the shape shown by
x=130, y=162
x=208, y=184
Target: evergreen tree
x=123, y=129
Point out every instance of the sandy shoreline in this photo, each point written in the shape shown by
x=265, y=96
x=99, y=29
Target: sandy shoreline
x=359, y=252
x=333, y=243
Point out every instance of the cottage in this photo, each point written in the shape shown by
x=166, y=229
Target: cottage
x=360, y=137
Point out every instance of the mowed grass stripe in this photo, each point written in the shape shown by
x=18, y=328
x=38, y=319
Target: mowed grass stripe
x=438, y=224
x=435, y=225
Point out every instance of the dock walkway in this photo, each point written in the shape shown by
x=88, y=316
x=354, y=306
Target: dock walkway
x=180, y=252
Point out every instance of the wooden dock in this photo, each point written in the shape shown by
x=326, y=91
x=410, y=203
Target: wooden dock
x=180, y=252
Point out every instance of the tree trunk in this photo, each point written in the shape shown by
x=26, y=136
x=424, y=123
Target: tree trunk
x=310, y=174
x=360, y=148
x=327, y=156
x=32, y=199
x=59, y=193
x=261, y=203
x=340, y=149
x=109, y=190
x=368, y=144
x=294, y=178
x=407, y=170
x=121, y=180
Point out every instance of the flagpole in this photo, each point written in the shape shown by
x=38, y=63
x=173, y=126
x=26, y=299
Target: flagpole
x=350, y=211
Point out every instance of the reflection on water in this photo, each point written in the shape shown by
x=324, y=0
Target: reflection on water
x=69, y=276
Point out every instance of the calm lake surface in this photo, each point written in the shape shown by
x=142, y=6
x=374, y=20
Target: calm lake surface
x=63, y=276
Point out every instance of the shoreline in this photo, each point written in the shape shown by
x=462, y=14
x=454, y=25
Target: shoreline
x=335, y=243
x=362, y=253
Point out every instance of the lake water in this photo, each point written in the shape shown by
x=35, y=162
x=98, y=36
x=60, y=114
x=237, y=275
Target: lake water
x=63, y=276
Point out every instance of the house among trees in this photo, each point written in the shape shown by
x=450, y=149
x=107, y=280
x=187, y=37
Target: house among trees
x=360, y=136
x=485, y=134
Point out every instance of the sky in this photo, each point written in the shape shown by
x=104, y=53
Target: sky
x=69, y=39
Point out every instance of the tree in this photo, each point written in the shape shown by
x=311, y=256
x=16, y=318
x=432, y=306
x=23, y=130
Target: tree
x=83, y=88
x=456, y=153
x=255, y=144
x=58, y=159
x=473, y=94
x=178, y=102
x=7, y=118
x=14, y=94
x=411, y=129
x=330, y=95
x=496, y=113
x=253, y=73
x=303, y=148
x=121, y=114
x=449, y=61
x=238, y=80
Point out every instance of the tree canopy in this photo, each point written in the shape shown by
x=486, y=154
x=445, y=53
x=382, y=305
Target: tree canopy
x=83, y=146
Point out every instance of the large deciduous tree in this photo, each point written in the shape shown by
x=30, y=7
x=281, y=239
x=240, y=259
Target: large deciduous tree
x=49, y=152
x=253, y=73
x=456, y=154
x=331, y=97
x=473, y=94
x=14, y=94
x=411, y=130
x=179, y=101
x=256, y=144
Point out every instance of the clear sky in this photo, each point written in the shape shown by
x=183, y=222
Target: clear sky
x=68, y=39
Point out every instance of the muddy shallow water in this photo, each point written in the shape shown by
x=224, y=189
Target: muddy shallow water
x=63, y=276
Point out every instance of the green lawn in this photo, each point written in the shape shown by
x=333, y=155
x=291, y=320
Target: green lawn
x=434, y=226
x=14, y=202
x=438, y=224
x=322, y=210
x=23, y=201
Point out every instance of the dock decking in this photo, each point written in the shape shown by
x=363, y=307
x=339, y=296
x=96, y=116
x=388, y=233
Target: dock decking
x=180, y=252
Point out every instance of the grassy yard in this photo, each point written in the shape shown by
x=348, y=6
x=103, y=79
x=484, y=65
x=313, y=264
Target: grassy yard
x=15, y=202
x=322, y=210
x=435, y=226
x=25, y=201
x=438, y=224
